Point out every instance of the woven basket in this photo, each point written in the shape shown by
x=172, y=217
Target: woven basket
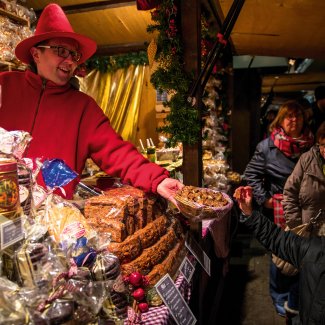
x=197, y=212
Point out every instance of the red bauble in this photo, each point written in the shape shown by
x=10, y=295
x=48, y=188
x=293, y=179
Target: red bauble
x=135, y=278
x=138, y=294
x=143, y=306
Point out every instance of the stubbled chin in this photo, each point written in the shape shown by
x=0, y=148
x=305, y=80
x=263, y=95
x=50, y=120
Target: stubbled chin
x=63, y=77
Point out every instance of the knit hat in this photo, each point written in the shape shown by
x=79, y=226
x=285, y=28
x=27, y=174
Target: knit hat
x=319, y=92
x=54, y=23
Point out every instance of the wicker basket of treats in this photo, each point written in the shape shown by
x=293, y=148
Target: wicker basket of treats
x=203, y=203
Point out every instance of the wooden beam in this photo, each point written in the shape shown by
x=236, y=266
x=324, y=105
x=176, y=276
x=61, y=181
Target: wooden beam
x=292, y=88
x=292, y=82
x=107, y=50
x=92, y=6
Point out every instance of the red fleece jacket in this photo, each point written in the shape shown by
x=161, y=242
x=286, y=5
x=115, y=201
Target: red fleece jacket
x=68, y=124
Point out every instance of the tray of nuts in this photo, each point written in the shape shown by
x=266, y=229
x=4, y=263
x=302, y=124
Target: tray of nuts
x=199, y=203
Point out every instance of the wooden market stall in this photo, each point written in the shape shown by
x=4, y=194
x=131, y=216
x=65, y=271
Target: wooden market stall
x=119, y=27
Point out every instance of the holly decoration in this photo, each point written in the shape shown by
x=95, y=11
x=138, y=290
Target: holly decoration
x=138, y=294
x=143, y=306
x=137, y=284
x=135, y=279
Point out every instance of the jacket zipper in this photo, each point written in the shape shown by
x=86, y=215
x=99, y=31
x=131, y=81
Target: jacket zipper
x=38, y=105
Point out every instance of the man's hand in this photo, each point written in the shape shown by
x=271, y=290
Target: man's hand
x=244, y=197
x=168, y=188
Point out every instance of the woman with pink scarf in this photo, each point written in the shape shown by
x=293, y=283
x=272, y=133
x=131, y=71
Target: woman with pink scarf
x=273, y=161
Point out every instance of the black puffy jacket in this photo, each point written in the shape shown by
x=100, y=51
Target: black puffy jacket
x=306, y=254
x=268, y=171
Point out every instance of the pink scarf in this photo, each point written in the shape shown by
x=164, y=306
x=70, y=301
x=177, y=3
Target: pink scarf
x=292, y=147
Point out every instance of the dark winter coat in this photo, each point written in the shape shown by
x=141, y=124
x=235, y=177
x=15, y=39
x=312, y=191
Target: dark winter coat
x=268, y=171
x=304, y=191
x=308, y=255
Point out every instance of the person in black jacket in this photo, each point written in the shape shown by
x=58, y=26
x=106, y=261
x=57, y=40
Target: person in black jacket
x=273, y=161
x=306, y=254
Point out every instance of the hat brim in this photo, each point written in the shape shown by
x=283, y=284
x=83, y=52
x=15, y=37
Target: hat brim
x=87, y=46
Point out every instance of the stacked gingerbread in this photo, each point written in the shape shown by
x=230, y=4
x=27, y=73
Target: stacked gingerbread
x=144, y=238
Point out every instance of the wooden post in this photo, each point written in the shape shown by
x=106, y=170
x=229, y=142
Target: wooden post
x=245, y=116
x=191, y=38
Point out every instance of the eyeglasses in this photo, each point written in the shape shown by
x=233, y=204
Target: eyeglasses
x=63, y=52
x=320, y=145
x=294, y=115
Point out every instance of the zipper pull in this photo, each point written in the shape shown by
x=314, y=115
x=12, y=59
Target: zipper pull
x=319, y=214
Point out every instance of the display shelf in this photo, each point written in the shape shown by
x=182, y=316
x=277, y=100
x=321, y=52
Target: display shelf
x=14, y=17
x=9, y=66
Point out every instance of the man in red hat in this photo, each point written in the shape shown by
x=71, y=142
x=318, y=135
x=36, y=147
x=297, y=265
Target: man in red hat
x=64, y=122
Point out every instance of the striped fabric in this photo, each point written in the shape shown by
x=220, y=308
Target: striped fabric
x=278, y=210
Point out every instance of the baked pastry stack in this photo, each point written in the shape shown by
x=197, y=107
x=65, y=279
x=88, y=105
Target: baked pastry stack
x=144, y=238
x=121, y=211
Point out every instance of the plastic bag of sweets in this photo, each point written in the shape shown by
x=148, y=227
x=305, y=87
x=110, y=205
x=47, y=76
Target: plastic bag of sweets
x=107, y=268
x=12, y=308
x=65, y=223
x=69, y=229
x=38, y=263
x=14, y=143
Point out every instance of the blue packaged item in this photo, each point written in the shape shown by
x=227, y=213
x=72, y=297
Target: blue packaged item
x=82, y=254
x=56, y=173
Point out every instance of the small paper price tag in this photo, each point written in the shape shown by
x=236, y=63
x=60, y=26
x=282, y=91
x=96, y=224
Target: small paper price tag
x=11, y=232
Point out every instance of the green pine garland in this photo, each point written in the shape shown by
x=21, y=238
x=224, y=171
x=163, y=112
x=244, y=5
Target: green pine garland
x=182, y=123
x=113, y=63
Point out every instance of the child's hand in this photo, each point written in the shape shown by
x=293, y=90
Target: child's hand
x=244, y=197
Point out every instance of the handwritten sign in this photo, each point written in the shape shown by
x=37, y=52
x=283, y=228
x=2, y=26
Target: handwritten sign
x=187, y=269
x=174, y=301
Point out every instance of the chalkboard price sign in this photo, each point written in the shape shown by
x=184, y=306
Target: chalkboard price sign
x=174, y=301
x=198, y=253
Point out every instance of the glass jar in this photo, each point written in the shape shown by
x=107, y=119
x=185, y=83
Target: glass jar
x=9, y=189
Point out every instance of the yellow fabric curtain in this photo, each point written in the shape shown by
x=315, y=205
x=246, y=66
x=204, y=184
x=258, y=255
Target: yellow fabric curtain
x=119, y=95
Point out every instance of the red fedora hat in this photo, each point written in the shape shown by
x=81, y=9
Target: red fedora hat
x=54, y=23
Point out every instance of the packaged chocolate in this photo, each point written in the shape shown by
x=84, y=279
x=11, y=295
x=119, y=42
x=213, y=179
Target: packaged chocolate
x=38, y=263
x=116, y=302
x=59, y=312
x=106, y=267
x=88, y=293
x=30, y=260
x=9, y=265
